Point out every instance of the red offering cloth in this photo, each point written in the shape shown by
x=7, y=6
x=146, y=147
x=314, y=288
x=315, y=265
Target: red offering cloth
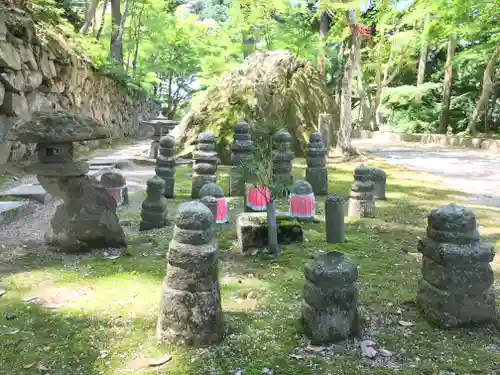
x=222, y=216
x=257, y=199
x=302, y=206
x=115, y=193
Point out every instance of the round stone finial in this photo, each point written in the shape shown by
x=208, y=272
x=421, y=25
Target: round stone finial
x=302, y=187
x=194, y=215
x=283, y=136
x=362, y=170
x=206, y=137
x=335, y=198
x=452, y=218
x=211, y=189
x=155, y=183
x=315, y=138
x=112, y=179
x=333, y=267
x=167, y=141
x=242, y=128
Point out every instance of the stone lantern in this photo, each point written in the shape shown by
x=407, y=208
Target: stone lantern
x=87, y=217
x=161, y=126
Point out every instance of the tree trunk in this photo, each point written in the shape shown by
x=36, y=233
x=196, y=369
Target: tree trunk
x=448, y=79
x=326, y=128
x=272, y=228
x=350, y=72
x=489, y=111
x=488, y=86
x=116, y=43
x=89, y=16
x=422, y=63
x=101, y=26
x=324, y=27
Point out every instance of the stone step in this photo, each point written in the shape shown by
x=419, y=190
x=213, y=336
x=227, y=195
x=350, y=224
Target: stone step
x=12, y=211
x=34, y=192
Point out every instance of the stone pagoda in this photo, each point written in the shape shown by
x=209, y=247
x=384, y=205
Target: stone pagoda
x=87, y=217
x=165, y=164
x=205, y=163
x=161, y=126
x=241, y=150
x=316, y=172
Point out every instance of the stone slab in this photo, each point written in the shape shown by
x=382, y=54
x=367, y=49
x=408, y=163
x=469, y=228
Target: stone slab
x=12, y=211
x=33, y=192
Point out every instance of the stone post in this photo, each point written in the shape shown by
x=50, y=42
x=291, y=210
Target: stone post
x=116, y=186
x=379, y=177
x=329, y=306
x=334, y=219
x=456, y=288
x=241, y=151
x=154, y=207
x=361, y=202
x=190, y=307
x=316, y=172
x=165, y=164
x=325, y=125
x=282, y=158
x=205, y=163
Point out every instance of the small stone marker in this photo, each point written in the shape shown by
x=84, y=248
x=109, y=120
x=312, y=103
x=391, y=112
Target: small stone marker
x=205, y=163
x=214, y=190
x=379, y=178
x=302, y=201
x=334, y=219
x=116, y=186
x=256, y=199
x=154, y=208
x=211, y=202
x=361, y=202
x=190, y=307
x=165, y=164
x=241, y=151
x=456, y=288
x=329, y=306
x=282, y=158
x=316, y=172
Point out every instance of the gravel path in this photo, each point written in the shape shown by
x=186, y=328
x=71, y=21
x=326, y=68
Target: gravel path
x=474, y=172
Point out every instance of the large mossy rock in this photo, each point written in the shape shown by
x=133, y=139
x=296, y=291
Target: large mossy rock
x=269, y=88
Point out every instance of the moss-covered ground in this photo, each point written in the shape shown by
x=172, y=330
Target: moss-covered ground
x=101, y=314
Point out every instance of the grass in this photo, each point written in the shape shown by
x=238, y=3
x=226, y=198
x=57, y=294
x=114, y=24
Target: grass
x=106, y=311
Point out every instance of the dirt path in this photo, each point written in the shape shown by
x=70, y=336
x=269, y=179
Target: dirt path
x=474, y=172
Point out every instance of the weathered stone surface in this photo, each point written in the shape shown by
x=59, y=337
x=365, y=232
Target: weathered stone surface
x=14, y=104
x=316, y=172
x=12, y=211
x=282, y=158
x=334, y=219
x=154, y=208
x=87, y=217
x=456, y=288
x=190, y=307
x=361, y=200
x=13, y=81
x=205, y=163
x=329, y=306
x=57, y=126
x=165, y=164
x=9, y=56
x=211, y=202
x=379, y=178
x=34, y=192
x=251, y=229
x=241, y=151
x=211, y=189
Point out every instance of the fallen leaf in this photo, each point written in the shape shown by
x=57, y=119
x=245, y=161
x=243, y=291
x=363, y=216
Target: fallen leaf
x=296, y=356
x=385, y=353
x=2, y=292
x=29, y=365
x=41, y=367
x=10, y=343
x=315, y=348
x=405, y=324
x=160, y=361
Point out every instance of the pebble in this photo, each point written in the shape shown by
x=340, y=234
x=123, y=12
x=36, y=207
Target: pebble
x=385, y=353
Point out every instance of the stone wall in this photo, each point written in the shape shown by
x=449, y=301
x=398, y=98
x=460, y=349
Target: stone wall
x=40, y=70
x=437, y=139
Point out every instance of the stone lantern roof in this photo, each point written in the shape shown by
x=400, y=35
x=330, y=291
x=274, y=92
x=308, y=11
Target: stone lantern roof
x=57, y=126
x=160, y=120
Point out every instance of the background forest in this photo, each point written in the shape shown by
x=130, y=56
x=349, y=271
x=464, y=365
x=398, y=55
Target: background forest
x=411, y=65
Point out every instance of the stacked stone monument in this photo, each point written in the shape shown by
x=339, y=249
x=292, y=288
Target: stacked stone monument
x=282, y=158
x=87, y=217
x=334, y=219
x=379, y=178
x=361, y=201
x=241, y=151
x=116, y=186
x=154, y=208
x=329, y=306
x=205, y=163
x=316, y=172
x=165, y=164
x=456, y=288
x=190, y=306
